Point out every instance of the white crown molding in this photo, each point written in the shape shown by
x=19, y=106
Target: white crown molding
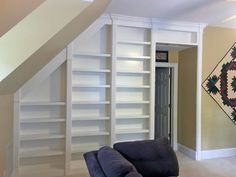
x=107, y=18
x=124, y=20
x=130, y=18
x=157, y=23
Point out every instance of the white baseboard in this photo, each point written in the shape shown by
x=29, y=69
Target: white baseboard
x=187, y=151
x=218, y=153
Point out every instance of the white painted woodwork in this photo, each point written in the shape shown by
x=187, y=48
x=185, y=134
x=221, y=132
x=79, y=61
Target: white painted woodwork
x=104, y=93
x=42, y=123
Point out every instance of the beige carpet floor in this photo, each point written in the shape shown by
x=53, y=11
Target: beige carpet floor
x=225, y=167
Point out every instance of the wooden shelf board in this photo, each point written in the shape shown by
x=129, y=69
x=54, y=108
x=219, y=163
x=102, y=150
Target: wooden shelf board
x=41, y=153
x=89, y=102
x=120, y=117
x=88, y=133
x=90, y=86
x=83, y=149
x=28, y=137
x=42, y=120
x=133, y=86
x=91, y=70
x=127, y=57
x=177, y=43
x=89, y=118
x=133, y=72
x=130, y=131
x=91, y=54
x=41, y=103
x=133, y=102
x=135, y=42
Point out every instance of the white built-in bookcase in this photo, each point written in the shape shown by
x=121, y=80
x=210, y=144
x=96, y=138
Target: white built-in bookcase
x=133, y=57
x=42, y=118
x=103, y=93
x=89, y=67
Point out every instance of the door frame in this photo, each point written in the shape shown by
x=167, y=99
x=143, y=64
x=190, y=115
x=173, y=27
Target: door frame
x=174, y=100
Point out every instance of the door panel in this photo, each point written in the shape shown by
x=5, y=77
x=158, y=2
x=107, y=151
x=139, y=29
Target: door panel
x=162, y=103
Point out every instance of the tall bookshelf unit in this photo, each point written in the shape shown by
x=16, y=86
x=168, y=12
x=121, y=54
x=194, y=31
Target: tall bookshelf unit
x=133, y=49
x=102, y=94
x=90, y=71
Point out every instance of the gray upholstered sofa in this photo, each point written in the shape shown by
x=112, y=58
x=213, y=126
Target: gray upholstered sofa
x=148, y=158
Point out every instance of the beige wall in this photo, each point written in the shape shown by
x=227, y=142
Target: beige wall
x=173, y=56
x=12, y=11
x=187, y=98
x=6, y=126
x=217, y=130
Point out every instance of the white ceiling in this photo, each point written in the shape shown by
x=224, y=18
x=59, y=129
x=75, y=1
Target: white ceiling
x=213, y=12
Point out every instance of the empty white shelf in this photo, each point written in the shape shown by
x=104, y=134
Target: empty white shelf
x=89, y=118
x=42, y=120
x=177, y=43
x=40, y=153
x=132, y=117
x=83, y=149
x=89, y=133
x=90, y=102
x=127, y=57
x=132, y=102
x=130, y=131
x=91, y=54
x=90, y=86
x=133, y=86
x=133, y=72
x=135, y=42
x=41, y=103
x=28, y=137
x=91, y=70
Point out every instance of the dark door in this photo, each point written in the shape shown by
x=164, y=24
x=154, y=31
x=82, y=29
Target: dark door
x=163, y=103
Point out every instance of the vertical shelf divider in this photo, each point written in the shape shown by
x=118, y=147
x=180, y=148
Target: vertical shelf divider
x=16, y=129
x=152, y=85
x=113, y=83
x=68, y=110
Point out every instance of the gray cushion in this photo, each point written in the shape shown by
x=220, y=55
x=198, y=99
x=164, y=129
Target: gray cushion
x=133, y=174
x=113, y=163
x=93, y=166
x=152, y=158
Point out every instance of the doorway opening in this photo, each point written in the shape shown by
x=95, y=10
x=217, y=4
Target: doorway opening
x=163, y=103
x=166, y=101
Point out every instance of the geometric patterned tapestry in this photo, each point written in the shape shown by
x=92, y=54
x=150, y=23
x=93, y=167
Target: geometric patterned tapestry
x=221, y=83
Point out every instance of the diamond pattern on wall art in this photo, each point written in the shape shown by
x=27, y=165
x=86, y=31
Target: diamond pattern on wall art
x=221, y=84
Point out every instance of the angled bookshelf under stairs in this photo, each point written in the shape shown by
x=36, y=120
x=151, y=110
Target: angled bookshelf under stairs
x=42, y=118
x=102, y=94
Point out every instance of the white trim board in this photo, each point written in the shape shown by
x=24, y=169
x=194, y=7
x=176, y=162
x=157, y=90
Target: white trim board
x=207, y=154
x=187, y=151
x=199, y=95
x=218, y=153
